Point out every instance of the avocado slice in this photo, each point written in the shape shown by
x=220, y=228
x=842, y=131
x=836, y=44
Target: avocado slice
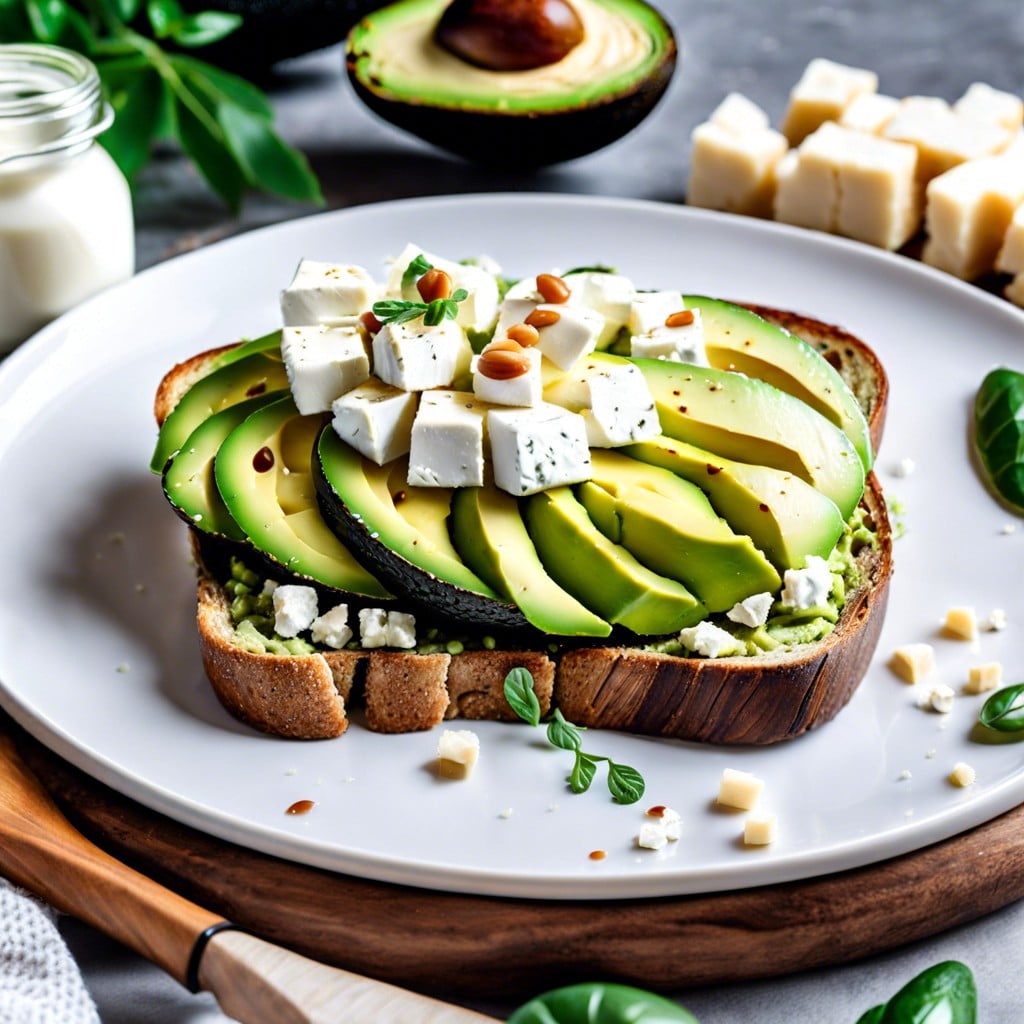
x=605, y=86
x=358, y=501
x=602, y=574
x=680, y=537
x=492, y=539
x=750, y=421
x=738, y=339
x=784, y=516
x=264, y=476
x=238, y=378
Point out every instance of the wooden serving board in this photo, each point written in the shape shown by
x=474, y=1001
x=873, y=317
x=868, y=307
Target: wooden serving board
x=487, y=947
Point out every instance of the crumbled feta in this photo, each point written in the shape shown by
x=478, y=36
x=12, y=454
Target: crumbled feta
x=608, y=295
x=752, y=611
x=808, y=587
x=415, y=357
x=996, y=621
x=760, y=830
x=913, y=662
x=323, y=293
x=269, y=586
x=904, y=467
x=668, y=821
x=982, y=678
x=447, y=446
x=682, y=344
x=323, y=363
x=962, y=775
x=332, y=628
x=739, y=789
x=373, y=627
x=376, y=419
x=400, y=630
x=651, y=309
x=295, y=608
x=961, y=623
x=457, y=753
x=652, y=836
x=938, y=698
x=710, y=640
x=573, y=335
x=533, y=449
x=824, y=91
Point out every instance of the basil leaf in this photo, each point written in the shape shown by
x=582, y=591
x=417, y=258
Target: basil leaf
x=872, y=1016
x=626, y=784
x=596, y=269
x=436, y=312
x=583, y=771
x=47, y=18
x=563, y=734
x=128, y=9
x=218, y=85
x=415, y=270
x=459, y=295
x=137, y=116
x=999, y=433
x=414, y=310
x=943, y=994
x=268, y=163
x=601, y=1003
x=519, y=690
x=1004, y=710
x=164, y=16
x=206, y=27
x=215, y=162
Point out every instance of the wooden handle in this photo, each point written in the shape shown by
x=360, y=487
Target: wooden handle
x=42, y=851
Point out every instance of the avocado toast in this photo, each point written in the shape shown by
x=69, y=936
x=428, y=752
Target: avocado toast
x=712, y=564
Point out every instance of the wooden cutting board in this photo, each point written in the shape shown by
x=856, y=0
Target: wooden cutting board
x=486, y=947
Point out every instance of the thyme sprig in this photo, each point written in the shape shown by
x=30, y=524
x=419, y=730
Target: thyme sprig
x=398, y=311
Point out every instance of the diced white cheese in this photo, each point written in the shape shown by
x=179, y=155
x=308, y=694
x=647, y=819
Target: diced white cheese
x=739, y=789
x=400, y=629
x=457, y=751
x=608, y=295
x=869, y=112
x=376, y=419
x=415, y=357
x=447, y=448
x=295, y=608
x=524, y=390
x=739, y=115
x=651, y=309
x=373, y=627
x=996, y=620
x=808, y=587
x=760, y=830
x=806, y=192
x=710, y=640
x=332, y=627
x=904, y=467
x=824, y=91
x=752, y=611
x=961, y=623
x=983, y=103
x=533, y=449
x=683, y=344
x=982, y=678
x=962, y=775
x=1011, y=255
x=326, y=292
x=323, y=363
x=913, y=662
x=938, y=698
x=515, y=311
x=668, y=821
x=575, y=334
x=652, y=836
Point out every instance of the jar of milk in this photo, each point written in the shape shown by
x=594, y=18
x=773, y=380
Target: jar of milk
x=66, y=226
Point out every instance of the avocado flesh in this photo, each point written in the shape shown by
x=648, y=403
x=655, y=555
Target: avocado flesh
x=277, y=508
x=240, y=378
x=492, y=539
x=189, y=482
x=784, y=516
x=738, y=339
x=602, y=575
x=750, y=421
x=683, y=540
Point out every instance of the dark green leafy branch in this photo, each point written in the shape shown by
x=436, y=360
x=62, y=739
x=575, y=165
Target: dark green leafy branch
x=625, y=784
x=158, y=90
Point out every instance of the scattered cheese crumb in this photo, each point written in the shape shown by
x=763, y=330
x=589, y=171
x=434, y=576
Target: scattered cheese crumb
x=739, y=789
x=962, y=775
x=904, y=467
x=1008, y=528
x=938, y=698
x=709, y=640
x=961, y=624
x=652, y=837
x=753, y=611
x=996, y=620
x=982, y=678
x=292, y=771
x=808, y=587
x=457, y=753
x=295, y=608
x=930, y=754
x=913, y=662
x=667, y=820
x=905, y=775
x=760, y=830
x=124, y=667
x=506, y=813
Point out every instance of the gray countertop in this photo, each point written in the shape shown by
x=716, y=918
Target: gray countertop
x=931, y=47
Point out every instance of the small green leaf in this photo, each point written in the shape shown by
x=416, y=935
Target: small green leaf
x=128, y=9
x=165, y=16
x=626, y=784
x=1004, y=710
x=217, y=85
x=596, y=269
x=459, y=295
x=269, y=163
x=519, y=690
x=214, y=160
x=47, y=18
x=942, y=994
x=206, y=27
x=136, y=119
x=872, y=1016
x=415, y=270
x=583, y=771
x=563, y=734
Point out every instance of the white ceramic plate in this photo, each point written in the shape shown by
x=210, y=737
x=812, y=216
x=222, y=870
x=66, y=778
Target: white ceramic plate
x=98, y=656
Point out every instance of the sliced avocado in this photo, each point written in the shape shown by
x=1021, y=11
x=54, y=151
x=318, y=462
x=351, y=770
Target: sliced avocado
x=189, y=482
x=738, y=339
x=681, y=538
x=784, y=516
x=602, y=574
x=492, y=539
x=750, y=421
x=357, y=498
x=238, y=379
x=263, y=474
x=542, y=116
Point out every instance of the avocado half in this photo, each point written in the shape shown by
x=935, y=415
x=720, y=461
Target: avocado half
x=605, y=86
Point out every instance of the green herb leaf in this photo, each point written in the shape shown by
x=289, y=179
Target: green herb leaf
x=56, y=22
x=872, y=1016
x=625, y=784
x=519, y=690
x=999, y=433
x=214, y=160
x=267, y=161
x=1004, y=710
x=459, y=295
x=583, y=771
x=217, y=86
x=128, y=9
x=563, y=734
x=415, y=270
x=165, y=16
x=596, y=269
x=137, y=109
x=942, y=994
x=206, y=27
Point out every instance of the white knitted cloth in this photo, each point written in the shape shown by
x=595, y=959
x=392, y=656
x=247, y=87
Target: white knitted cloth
x=39, y=981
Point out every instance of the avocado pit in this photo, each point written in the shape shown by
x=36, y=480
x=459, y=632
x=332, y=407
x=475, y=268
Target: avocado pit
x=509, y=35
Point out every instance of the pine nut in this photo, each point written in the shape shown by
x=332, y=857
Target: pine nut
x=681, y=319
x=434, y=284
x=501, y=361
x=524, y=334
x=370, y=322
x=552, y=289
x=543, y=318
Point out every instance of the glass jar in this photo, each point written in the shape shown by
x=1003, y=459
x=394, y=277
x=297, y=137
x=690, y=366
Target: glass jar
x=66, y=229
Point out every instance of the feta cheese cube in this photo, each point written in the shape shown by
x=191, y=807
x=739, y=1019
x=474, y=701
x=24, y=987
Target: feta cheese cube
x=415, y=357
x=869, y=112
x=668, y=821
x=983, y=103
x=996, y=620
x=824, y=91
x=710, y=640
x=739, y=115
x=323, y=363
x=373, y=627
x=326, y=292
x=1011, y=255
x=575, y=334
x=739, y=789
x=457, y=752
x=376, y=419
x=515, y=311
x=982, y=678
x=962, y=775
x=610, y=296
x=295, y=608
x=808, y=587
x=524, y=390
x=752, y=611
x=760, y=830
x=400, y=629
x=651, y=309
x=938, y=698
x=533, y=449
x=682, y=344
x=447, y=448
x=913, y=662
x=961, y=623
x=332, y=628
x=652, y=837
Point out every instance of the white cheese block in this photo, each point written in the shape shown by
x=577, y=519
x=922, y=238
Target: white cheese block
x=534, y=449
x=524, y=390
x=735, y=172
x=684, y=344
x=376, y=419
x=913, y=662
x=806, y=192
x=760, y=830
x=447, y=448
x=751, y=611
x=739, y=789
x=323, y=363
x=1011, y=255
x=608, y=295
x=824, y=91
x=982, y=678
x=515, y=311
x=869, y=112
x=739, y=115
x=961, y=623
x=415, y=357
x=651, y=309
x=983, y=103
x=808, y=587
x=575, y=334
x=400, y=630
x=373, y=627
x=295, y=608
x=710, y=640
x=326, y=292
x=458, y=751
x=332, y=628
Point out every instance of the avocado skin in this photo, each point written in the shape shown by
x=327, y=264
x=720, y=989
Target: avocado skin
x=523, y=140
